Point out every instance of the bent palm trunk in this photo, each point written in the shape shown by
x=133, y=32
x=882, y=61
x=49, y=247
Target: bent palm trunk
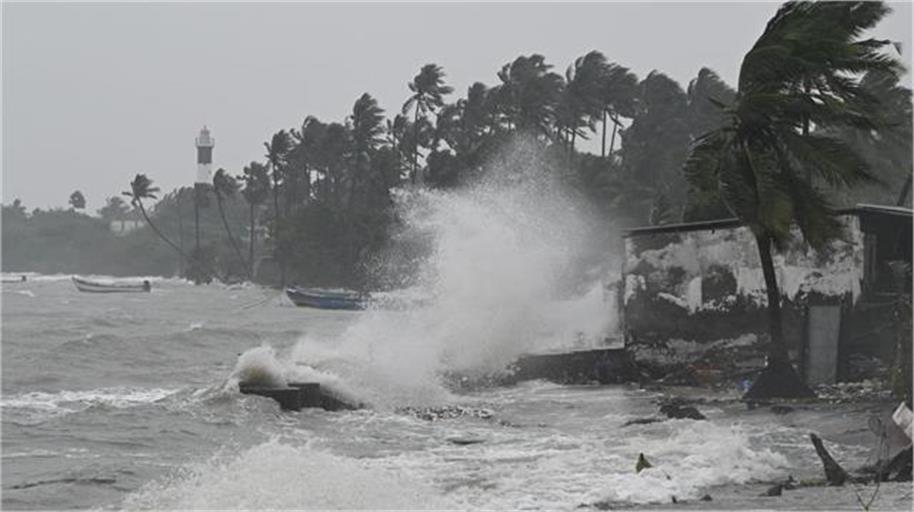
x=228, y=232
x=778, y=379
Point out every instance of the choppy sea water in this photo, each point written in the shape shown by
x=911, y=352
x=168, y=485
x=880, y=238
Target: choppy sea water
x=125, y=401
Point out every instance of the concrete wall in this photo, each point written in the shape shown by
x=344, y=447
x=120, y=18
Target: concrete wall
x=697, y=295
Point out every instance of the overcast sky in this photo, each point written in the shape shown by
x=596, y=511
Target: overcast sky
x=93, y=94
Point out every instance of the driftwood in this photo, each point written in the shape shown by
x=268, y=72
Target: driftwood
x=834, y=473
x=642, y=463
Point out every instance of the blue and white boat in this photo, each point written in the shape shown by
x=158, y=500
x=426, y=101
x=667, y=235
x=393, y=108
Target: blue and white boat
x=323, y=298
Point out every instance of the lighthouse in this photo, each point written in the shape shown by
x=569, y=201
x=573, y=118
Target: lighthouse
x=205, y=143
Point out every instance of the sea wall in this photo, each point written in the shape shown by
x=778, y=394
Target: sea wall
x=693, y=295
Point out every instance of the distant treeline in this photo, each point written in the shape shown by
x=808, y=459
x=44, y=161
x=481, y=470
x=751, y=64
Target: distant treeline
x=321, y=198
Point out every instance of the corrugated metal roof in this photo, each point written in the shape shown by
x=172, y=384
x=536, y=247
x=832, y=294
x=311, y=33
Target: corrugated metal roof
x=733, y=222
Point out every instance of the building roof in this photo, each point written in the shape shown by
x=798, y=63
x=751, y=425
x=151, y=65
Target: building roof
x=882, y=209
x=872, y=209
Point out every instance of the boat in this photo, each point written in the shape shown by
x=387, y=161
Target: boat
x=10, y=280
x=84, y=285
x=322, y=298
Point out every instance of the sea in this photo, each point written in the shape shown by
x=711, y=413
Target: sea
x=131, y=400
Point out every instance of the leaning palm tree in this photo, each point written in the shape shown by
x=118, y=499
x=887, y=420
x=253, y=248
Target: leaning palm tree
x=760, y=160
x=428, y=90
x=366, y=126
x=255, y=192
x=580, y=100
x=277, y=153
x=141, y=188
x=224, y=185
x=618, y=95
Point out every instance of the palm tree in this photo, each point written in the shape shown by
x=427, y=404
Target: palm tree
x=141, y=188
x=255, y=192
x=428, y=90
x=277, y=152
x=366, y=127
x=758, y=162
x=619, y=93
x=78, y=200
x=304, y=153
x=225, y=185
x=580, y=102
x=528, y=94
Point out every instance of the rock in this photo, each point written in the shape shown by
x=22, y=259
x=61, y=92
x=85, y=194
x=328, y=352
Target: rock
x=676, y=411
x=778, y=380
x=706, y=497
x=790, y=483
x=775, y=490
x=642, y=463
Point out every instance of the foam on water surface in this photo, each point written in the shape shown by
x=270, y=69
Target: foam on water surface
x=277, y=475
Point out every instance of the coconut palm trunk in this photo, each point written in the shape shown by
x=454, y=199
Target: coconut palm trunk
x=282, y=265
x=778, y=378
x=196, y=223
x=612, y=141
x=228, y=233
x=415, y=145
x=161, y=235
x=251, y=243
x=777, y=351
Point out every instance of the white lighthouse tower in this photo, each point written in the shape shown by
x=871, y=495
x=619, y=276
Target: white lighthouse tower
x=205, y=144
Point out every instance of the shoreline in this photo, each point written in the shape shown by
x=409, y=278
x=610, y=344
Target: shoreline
x=843, y=426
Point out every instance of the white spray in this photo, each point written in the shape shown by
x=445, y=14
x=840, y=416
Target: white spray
x=497, y=277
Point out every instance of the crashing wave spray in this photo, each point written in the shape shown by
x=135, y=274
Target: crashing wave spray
x=502, y=255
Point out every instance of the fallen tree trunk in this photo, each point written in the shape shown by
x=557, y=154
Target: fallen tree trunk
x=834, y=473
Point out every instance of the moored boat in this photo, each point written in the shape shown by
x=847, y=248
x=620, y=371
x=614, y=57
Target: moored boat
x=84, y=285
x=327, y=299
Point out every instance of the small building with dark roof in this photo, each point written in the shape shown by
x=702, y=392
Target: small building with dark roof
x=693, y=297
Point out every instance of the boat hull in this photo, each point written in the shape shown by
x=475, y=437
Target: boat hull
x=93, y=287
x=325, y=299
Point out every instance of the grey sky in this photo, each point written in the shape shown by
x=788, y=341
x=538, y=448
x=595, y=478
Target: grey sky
x=94, y=93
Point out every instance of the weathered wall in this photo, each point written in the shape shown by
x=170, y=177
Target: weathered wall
x=689, y=295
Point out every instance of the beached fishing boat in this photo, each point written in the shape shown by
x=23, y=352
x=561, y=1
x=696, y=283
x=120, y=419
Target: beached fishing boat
x=326, y=299
x=85, y=285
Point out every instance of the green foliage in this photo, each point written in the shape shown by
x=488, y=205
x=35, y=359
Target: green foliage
x=799, y=71
x=114, y=209
x=77, y=201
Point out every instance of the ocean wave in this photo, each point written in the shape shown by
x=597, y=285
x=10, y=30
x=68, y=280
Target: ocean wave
x=277, y=475
x=45, y=405
x=698, y=455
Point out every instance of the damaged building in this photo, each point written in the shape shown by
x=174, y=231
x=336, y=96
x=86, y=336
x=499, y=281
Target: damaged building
x=694, y=302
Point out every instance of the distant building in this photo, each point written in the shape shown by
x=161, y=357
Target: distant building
x=693, y=295
x=124, y=226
